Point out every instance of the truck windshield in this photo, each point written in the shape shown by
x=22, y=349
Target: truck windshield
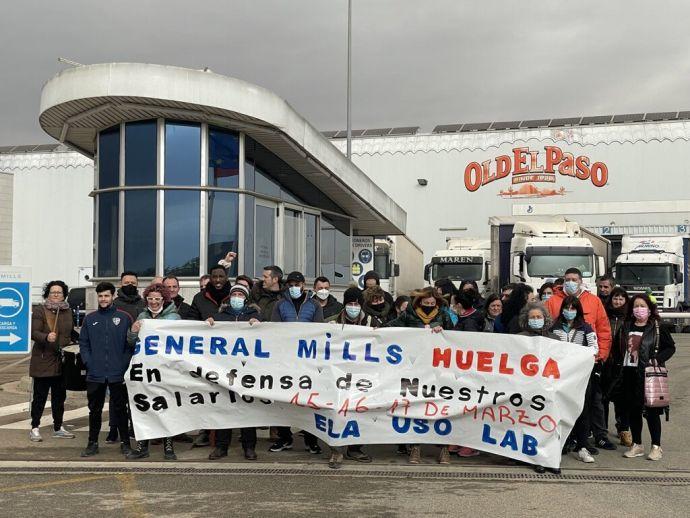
x=556, y=265
x=644, y=274
x=458, y=272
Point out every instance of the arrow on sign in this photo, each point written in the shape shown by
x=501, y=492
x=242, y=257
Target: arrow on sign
x=11, y=338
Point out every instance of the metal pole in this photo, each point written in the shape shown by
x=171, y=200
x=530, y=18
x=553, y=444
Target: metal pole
x=349, y=79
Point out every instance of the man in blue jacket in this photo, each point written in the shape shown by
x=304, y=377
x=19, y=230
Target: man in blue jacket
x=106, y=354
x=296, y=306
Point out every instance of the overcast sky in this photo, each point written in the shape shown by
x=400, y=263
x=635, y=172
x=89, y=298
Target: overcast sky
x=415, y=62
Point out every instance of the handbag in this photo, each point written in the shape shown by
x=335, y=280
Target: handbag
x=656, y=390
x=73, y=369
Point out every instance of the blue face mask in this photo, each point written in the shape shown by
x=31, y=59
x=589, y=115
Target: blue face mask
x=571, y=287
x=545, y=297
x=352, y=312
x=295, y=292
x=569, y=314
x=536, y=323
x=236, y=303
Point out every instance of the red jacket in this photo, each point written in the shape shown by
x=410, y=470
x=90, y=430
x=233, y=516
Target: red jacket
x=595, y=316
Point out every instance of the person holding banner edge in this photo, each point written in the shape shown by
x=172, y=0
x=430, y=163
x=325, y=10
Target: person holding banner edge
x=239, y=310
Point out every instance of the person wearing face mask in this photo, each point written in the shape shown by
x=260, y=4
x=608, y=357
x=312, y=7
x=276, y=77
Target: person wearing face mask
x=238, y=310
x=329, y=304
x=51, y=329
x=535, y=320
x=545, y=292
x=128, y=298
x=377, y=307
x=646, y=342
x=595, y=315
x=570, y=326
x=159, y=306
x=352, y=315
x=424, y=312
x=296, y=306
x=472, y=287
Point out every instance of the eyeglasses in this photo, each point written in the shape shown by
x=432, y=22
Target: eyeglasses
x=153, y=299
x=55, y=292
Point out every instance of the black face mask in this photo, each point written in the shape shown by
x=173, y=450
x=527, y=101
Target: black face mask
x=427, y=309
x=378, y=307
x=130, y=290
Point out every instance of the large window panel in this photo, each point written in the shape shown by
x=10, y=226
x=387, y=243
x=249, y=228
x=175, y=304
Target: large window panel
x=182, y=153
x=181, y=249
x=291, y=240
x=140, y=153
x=335, y=249
x=310, y=226
x=109, y=158
x=140, y=232
x=223, y=211
x=108, y=213
x=248, y=260
x=223, y=158
x=264, y=241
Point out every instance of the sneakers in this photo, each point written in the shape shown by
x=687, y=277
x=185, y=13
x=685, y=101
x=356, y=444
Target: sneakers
x=584, y=456
x=464, y=451
x=35, y=435
x=656, y=453
x=217, y=453
x=90, y=450
x=605, y=444
x=636, y=450
x=626, y=438
x=336, y=460
x=415, y=455
x=63, y=434
x=314, y=449
x=444, y=456
x=112, y=436
x=250, y=454
x=281, y=445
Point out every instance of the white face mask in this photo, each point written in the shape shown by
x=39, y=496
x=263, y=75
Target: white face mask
x=323, y=294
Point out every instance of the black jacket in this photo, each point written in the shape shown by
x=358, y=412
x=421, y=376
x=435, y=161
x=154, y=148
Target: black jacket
x=183, y=308
x=203, y=306
x=380, y=318
x=131, y=305
x=409, y=318
x=248, y=312
x=471, y=322
x=332, y=308
x=264, y=299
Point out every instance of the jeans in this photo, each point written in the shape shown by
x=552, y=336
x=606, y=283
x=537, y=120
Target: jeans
x=58, y=394
x=95, y=393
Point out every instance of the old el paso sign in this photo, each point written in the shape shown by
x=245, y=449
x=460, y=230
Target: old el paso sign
x=456, y=259
x=526, y=162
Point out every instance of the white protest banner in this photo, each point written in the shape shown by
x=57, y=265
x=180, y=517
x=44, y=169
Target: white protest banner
x=515, y=396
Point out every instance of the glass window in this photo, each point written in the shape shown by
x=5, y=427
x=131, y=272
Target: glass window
x=458, y=272
x=223, y=210
x=109, y=158
x=248, y=235
x=264, y=244
x=644, y=274
x=223, y=158
x=140, y=232
x=182, y=153
x=140, y=153
x=264, y=185
x=181, y=250
x=335, y=249
x=556, y=265
x=310, y=222
x=108, y=212
x=291, y=240
x=249, y=176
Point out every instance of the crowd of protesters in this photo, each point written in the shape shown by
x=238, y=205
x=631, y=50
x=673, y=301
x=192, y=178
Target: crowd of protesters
x=624, y=334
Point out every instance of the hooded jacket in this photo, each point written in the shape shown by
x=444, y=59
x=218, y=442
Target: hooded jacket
x=132, y=305
x=103, y=344
x=595, y=316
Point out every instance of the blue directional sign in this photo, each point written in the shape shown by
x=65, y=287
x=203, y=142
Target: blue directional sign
x=15, y=310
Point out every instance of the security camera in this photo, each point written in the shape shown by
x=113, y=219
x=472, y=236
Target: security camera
x=422, y=181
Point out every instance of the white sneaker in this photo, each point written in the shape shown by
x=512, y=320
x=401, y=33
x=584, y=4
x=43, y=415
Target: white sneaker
x=63, y=434
x=35, y=435
x=656, y=453
x=636, y=450
x=584, y=456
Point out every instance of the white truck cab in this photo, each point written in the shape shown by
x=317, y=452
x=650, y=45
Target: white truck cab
x=463, y=259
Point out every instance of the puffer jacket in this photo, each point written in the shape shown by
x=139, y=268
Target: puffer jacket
x=286, y=309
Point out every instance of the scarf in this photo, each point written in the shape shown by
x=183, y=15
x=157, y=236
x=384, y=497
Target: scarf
x=55, y=306
x=427, y=319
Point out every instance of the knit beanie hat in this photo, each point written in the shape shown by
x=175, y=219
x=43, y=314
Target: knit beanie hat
x=353, y=295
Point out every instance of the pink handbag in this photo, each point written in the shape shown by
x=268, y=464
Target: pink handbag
x=656, y=391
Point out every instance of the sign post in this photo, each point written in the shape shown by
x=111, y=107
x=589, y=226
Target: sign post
x=15, y=310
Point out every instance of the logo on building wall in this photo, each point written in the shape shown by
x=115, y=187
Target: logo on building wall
x=528, y=169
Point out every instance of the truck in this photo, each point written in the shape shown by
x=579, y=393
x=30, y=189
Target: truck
x=399, y=262
x=462, y=259
x=534, y=250
x=656, y=264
